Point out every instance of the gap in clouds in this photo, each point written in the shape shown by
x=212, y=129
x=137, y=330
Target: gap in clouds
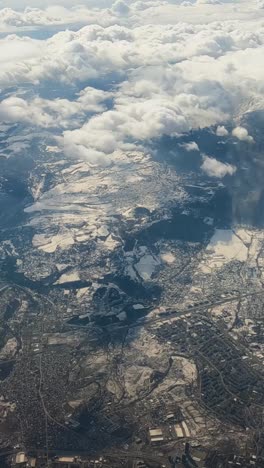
x=40, y=33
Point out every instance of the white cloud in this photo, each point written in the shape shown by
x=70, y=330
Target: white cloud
x=17, y=50
x=215, y=168
x=125, y=127
x=59, y=16
x=260, y=4
x=70, y=56
x=36, y=13
x=221, y=131
x=21, y=4
x=242, y=134
x=46, y=113
x=202, y=71
x=191, y=146
x=208, y=2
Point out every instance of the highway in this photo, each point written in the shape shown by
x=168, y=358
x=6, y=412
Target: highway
x=4, y=287
x=171, y=313
x=114, y=455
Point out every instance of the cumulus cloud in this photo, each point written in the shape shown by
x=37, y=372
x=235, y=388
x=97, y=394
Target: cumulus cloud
x=54, y=16
x=21, y=4
x=208, y=2
x=18, y=50
x=242, y=134
x=21, y=13
x=46, y=113
x=93, y=50
x=125, y=127
x=221, y=131
x=171, y=78
x=215, y=168
x=191, y=146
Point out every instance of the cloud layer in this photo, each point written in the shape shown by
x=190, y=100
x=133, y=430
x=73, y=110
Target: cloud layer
x=142, y=75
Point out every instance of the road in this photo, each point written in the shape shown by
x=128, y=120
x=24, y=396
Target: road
x=146, y=455
x=4, y=287
x=168, y=314
x=171, y=313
